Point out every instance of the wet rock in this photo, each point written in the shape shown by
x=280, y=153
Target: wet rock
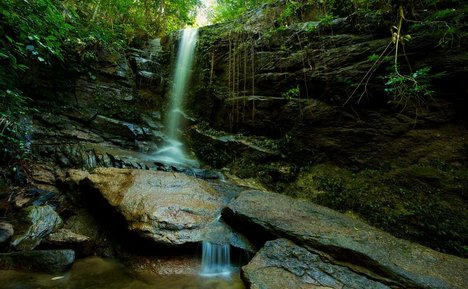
x=40, y=197
x=6, y=231
x=44, y=178
x=85, y=225
x=219, y=148
x=148, y=74
x=66, y=239
x=345, y=239
x=108, y=97
x=282, y=264
x=39, y=221
x=51, y=261
x=64, y=236
x=110, y=128
x=168, y=208
x=201, y=173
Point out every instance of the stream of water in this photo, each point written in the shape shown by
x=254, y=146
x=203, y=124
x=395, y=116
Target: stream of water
x=216, y=260
x=97, y=273
x=173, y=151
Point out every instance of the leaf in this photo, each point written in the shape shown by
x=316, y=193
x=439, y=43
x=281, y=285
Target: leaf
x=22, y=67
x=9, y=39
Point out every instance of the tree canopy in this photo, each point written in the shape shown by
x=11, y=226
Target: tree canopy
x=41, y=32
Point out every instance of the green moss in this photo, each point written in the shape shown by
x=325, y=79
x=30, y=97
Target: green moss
x=423, y=202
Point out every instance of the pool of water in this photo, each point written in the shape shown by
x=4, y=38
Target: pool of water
x=97, y=273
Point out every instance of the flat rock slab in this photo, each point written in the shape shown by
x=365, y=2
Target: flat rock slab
x=282, y=264
x=168, y=208
x=347, y=240
x=51, y=261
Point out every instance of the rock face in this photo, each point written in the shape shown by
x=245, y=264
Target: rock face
x=347, y=240
x=311, y=90
x=294, y=83
x=282, y=264
x=52, y=261
x=168, y=208
x=41, y=220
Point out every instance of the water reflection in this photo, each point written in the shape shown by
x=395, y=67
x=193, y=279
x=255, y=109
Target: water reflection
x=97, y=273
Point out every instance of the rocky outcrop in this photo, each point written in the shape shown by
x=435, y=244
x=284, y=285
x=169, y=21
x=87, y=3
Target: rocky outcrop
x=282, y=264
x=314, y=90
x=293, y=85
x=168, y=208
x=221, y=148
x=39, y=221
x=346, y=240
x=50, y=261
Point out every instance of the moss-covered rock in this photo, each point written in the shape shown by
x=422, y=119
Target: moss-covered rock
x=421, y=202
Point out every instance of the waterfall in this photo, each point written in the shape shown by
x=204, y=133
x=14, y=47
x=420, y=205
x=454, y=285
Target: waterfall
x=181, y=78
x=216, y=259
x=173, y=152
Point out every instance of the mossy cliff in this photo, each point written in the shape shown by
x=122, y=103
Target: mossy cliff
x=316, y=109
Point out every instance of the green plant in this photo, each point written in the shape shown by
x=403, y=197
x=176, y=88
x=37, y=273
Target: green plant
x=227, y=10
x=404, y=88
x=327, y=19
x=373, y=57
x=14, y=129
x=293, y=92
x=415, y=88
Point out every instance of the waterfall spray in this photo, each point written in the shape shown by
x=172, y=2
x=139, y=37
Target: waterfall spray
x=216, y=259
x=173, y=152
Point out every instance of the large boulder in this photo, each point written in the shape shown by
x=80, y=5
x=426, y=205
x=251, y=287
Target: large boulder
x=282, y=264
x=168, y=208
x=346, y=240
x=51, y=261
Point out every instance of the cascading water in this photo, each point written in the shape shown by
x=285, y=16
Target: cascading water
x=216, y=259
x=173, y=152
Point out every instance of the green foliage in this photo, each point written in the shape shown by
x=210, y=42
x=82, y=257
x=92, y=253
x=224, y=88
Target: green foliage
x=415, y=202
x=373, y=58
x=125, y=20
x=327, y=19
x=289, y=11
x=45, y=32
x=227, y=10
x=31, y=32
x=415, y=89
x=447, y=24
x=33, y=29
x=13, y=128
x=293, y=92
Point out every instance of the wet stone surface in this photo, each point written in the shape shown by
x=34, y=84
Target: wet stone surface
x=346, y=239
x=167, y=208
x=282, y=264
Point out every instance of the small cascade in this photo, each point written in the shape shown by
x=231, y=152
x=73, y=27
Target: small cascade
x=216, y=259
x=173, y=152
